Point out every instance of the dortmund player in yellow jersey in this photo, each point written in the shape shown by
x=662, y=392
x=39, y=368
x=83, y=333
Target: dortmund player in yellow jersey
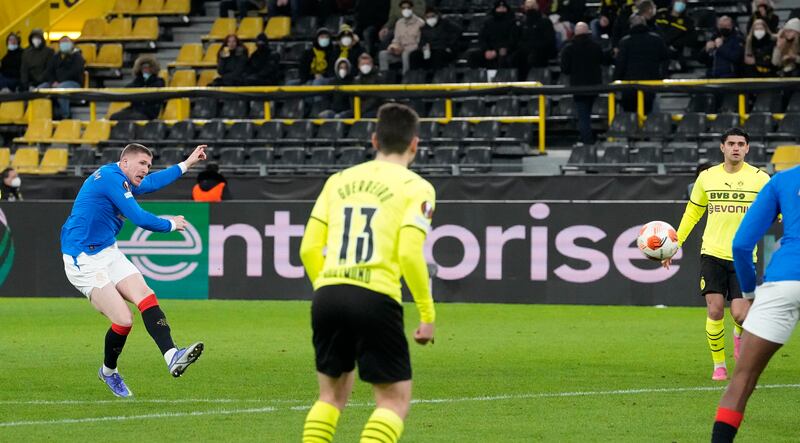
x=725, y=192
x=367, y=229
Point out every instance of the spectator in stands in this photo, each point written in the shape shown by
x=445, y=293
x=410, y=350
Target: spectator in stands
x=764, y=10
x=371, y=16
x=786, y=55
x=369, y=74
x=407, y=33
x=316, y=65
x=642, y=56
x=263, y=67
x=10, y=65
x=603, y=25
x=537, y=44
x=567, y=13
x=677, y=29
x=643, y=8
x=396, y=13
x=497, y=39
x=64, y=70
x=34, y=61
x=438, y=43
x=10, y=189
x=758, y=51
x=240, y=7
x=340, y=104
x=349, y=45
x=145, y=75
x=725, y=53
x=582, y=59
x=231, y=62
x=211, y=186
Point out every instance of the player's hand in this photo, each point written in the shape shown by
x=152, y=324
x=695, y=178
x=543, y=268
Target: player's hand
x=197, y=156
x=424, y=333
x=666, y=262
x=180, y=222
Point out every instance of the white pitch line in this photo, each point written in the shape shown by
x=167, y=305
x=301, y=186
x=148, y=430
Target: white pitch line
x=305, y=407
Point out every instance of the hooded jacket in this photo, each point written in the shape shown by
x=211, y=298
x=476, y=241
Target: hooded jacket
x=538, y=38
x=642, y=56
x=499, y=31
x=64, y=67
x=10, y=65
x=34, y=62
x=151, y=108
x=263, y=66
x=207, y=180
x=307, y=72
x=231, y=68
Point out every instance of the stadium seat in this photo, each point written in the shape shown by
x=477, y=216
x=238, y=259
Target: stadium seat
x=234, y=109
x=541, y=75
x=84, y=156
x=122, y=132
x=262, y=156
x=768, y=102
x=758, y=153
x=299, y=131
x=477, y=155
x=88, y=52
x=758, y=124
x=114, y=107
x=170, y=156
x=423, y=156
x=705, y=103
x=176, y=7
x=645, y=152
x=93, y=28
x=625, y=125
x=256, y=109
x=171, y=110
x=146, y=28
x=292, y=155
x=149, y=7
x=305, y=27
x=709, y=151
x=109, y=56
x=691, y=125
x=239, y=133
x=110, y=155
x=269, y=133
x=222, y=27
x=785, y=157
x=152, y=131
x=250, y=27
x=190, y=55
x=794, y=103
x=452, y=132
x=204, y=108
x=117, y=29
x=445, y=155
x=211, y=132
x=183, y=78
x=291, y=109
x=328, y=133
x=124, y=7
x=471, y=107
x=728, y=103
x=723, y=122
x=360, y=132
x=351, y=155
x=322, y=155
x=444, y=75
x=415, y=76
x=681, y=152
x=39, y=130
x=477, y=75
x=505, y=75
x=207, y=76
x=96, y=131
x=53, y=161
x=210, y=56
x=788, y=128
x=582, y=155
x=485, y=131
x=505, y=107
x=658, y=126
x=278, y=28
x=522, y=132
x=231, y=156
x=293, y=51
x=26, y=160
x=12, y=113
x=437, y=109
x=5, y=158
x=614, y=153
x=39, y=108
x=428, y=130
x=180, y=133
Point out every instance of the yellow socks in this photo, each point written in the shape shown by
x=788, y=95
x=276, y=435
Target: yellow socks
x=320, y=423
x=384, y=426
x=715, y=331
x=737, y=329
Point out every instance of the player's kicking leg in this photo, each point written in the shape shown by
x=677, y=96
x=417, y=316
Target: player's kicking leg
x=739, y=308
x=392, y=401
x=111, y=304
x=715, y=333
x=321, y=421
x=134, y=289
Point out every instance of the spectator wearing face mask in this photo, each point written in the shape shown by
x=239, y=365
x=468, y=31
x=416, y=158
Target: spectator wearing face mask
x=231, y=62
x=34, y=61
x=603, y=26
x=339, y=106
x=316, y=65
x=642, y=8
x=786, y=55
x=758, y=51
x=725, y=53
x=497, y=39
x=349, y=45
x=537, y=43
x=396, y=13
x=64, y=70
x=642, y=56
x=677, y=29
x=10, y=65
x=438, y=42
x=407, y=33
x=145, y=75
x=369, y=74
x=263, y=67
x=764, y=10
x=10, y=190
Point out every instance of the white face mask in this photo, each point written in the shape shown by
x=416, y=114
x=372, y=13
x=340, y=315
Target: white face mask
x=343, y=73
x=16, y=182
x=432, y=21
x=407, y=13
x=347, y=41
x=36, y=41
x=365, y=69
x=324, y=42
x=759, y=33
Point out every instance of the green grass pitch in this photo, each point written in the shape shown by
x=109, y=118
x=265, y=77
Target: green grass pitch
x=497, y=373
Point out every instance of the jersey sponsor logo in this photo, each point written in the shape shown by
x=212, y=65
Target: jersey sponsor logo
x=427, y=210
x=732, y=208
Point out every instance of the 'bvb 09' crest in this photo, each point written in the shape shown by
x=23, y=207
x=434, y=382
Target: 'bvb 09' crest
x=6, y=248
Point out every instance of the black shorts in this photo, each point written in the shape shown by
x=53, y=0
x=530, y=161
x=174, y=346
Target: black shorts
x=353, y=325
x=718, y=276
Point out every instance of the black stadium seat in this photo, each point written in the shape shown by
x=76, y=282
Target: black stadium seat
x=625, y=125
x=239, y=134
x=152, y=131
x=322, y=155
x=427, y=131
x=505, y=107
x=691, y=125
x=328, y=133
x=472, y=107
x=614, y=153
x=480, y=155
x=759, y=124
x=231, y=156
x=122, y=132
x=84, y=157
x=299, y=131
x=658, y=126
x=360, y=132
x=234, y=109
x=170, y=156
x=291, y=156
x=351, y=155
x=262, y=156
x=180, y=133
x=269, y=133
x=110, y=155
x=788, y=128
x=445, y=155
x=291, y=109
x=211, y=132
x=204, y=108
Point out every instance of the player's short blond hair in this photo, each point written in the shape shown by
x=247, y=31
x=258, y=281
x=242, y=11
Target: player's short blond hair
x=135, y=148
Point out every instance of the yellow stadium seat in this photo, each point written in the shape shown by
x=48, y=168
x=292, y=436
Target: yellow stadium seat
x=53, y=161
x=786, y=157
x=222, y=27
x=250, y=27
x=38, y=130
x=183, y=77
x=190, y=55
x=207, y=76
x=278, y=28
x=117, y=29
x=210, y=57
x=5, y=158
x=41, y=108
x=177, y=7
x=67, y=131
x=93, y=28
x=164, y=76
x=12, y=113
x=125, y=6
x=96, y=131
x=172, y=111
x=26, y=160
x=88, y=51
x=146, y=28
x=115, y=107
x=109, y=56
x=251, y=47
x=150, y=7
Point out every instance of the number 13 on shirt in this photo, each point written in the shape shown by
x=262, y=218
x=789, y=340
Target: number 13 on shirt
x=357, y=237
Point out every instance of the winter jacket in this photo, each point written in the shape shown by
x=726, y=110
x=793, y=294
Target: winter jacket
x=34, y=62
x=538, y=39
x=678, y=32
x=642, y=56
x=353, y=52
x=11, y=63
x=150, y=108
x=306, y=72
x=761, y=51
x=499, y=31
x=725, y=61
x=445, y=36
x=65, y=67
x=231, y=68
x=582, y=59
x=263, y=68
x=407, y=32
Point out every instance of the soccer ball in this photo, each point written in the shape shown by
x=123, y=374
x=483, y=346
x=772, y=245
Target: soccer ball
x=658, y=240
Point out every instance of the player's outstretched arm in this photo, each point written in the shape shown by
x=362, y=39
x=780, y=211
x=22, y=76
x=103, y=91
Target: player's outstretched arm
x=758, y=219
x=161, y=179
x=127, y=205
x=415, y=274
x=314, y=240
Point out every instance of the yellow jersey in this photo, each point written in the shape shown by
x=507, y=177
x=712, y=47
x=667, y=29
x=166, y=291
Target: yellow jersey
x=364, y=208
x=725, y=197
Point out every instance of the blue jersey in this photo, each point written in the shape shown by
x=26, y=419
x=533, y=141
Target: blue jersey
x=781, y=195
x=105, y=200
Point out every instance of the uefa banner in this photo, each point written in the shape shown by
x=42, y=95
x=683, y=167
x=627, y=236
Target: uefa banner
x=498, y=251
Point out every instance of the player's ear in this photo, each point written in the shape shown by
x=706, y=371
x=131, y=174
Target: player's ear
x=412, y=147
x=375, y=141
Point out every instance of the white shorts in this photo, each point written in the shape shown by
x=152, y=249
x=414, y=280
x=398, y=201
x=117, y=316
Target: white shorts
x=87, y=272
x=775, y=311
